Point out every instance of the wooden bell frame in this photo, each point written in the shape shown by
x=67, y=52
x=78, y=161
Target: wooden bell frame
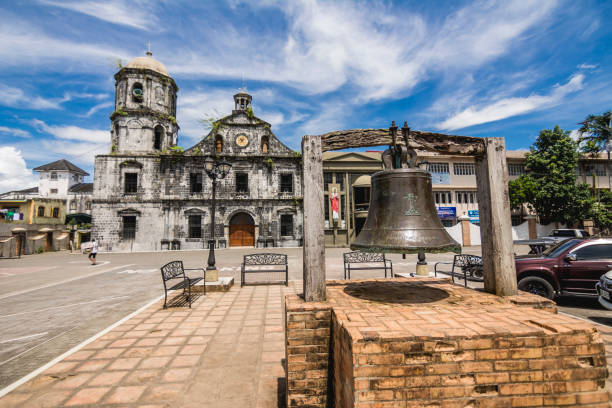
x=491, y=180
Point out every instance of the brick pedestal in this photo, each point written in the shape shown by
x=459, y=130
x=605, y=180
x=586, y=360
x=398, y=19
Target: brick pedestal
x=427, y=343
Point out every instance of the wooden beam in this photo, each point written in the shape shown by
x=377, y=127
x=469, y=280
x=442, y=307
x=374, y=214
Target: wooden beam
x=495, y=223
x=314, y=220
x=429, y=141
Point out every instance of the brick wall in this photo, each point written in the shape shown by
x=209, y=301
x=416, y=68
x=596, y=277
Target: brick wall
x=307, y=342
x=403, y=345
x=553, y=369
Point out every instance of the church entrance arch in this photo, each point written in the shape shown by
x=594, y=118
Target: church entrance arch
x=242, y=230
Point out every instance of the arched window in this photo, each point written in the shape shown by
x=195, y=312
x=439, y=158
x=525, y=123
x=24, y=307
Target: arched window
x=116, y=130
x=159, y=134
x=219, y=144
x=137, y=92
x=41, y=211
x=264, y=144
x=88, y=205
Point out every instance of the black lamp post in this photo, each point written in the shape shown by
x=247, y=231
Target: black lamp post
x=216, y=171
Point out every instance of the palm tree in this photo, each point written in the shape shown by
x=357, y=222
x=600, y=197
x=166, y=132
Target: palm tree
x=596, y=136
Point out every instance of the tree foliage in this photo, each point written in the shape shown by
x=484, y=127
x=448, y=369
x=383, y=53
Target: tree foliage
x=601, y=211
x=549, y=185
x=596, y=133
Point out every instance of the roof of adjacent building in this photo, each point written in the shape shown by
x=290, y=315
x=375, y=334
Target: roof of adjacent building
x=148, y=62
x=31, y=190
x=82, y=188
x=61, y=165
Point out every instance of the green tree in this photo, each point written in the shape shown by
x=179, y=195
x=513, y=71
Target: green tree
x=549, y=185
x=596, y=136
x=601, y=211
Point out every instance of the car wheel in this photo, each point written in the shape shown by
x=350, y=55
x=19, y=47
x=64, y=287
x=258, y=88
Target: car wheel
x=537, y=286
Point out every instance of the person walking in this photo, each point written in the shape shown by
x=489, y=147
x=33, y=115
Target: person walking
x=93, y=252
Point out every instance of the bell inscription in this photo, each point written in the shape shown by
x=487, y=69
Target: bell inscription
x=411, y=200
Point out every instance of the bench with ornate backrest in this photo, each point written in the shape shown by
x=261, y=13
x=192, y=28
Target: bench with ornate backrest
x=174, y=271
x=264, y=264
x=469, y=265
x=367, y=258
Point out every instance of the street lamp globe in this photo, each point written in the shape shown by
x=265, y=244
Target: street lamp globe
x=209, y=164
x=224, y=168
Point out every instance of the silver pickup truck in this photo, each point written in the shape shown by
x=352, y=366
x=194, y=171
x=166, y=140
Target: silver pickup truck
x=538, y=245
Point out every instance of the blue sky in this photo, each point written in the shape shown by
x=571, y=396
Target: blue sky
x=475, y=68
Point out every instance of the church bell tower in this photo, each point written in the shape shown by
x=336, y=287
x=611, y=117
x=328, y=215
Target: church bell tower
x=144, y=120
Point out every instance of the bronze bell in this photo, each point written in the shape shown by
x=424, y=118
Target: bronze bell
x=402, y=217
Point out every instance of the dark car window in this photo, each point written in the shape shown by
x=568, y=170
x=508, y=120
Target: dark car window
x=585, y=234
x=557, y=249
x=594, y=252
x=563, y=233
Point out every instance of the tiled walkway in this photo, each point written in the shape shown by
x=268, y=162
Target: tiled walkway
x=227, y=351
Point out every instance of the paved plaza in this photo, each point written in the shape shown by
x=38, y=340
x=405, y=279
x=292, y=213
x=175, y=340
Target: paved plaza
x=227, y=350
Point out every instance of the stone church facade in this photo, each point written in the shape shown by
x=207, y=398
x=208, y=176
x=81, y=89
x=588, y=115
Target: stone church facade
x=150, y=195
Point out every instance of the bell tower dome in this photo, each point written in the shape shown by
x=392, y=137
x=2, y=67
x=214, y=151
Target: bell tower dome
x=144, y=120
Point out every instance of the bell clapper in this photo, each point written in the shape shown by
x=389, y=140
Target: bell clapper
x=421, y=268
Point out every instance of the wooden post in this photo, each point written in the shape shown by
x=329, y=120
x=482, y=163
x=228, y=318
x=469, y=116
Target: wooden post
x=495, y=222
x=314, y=220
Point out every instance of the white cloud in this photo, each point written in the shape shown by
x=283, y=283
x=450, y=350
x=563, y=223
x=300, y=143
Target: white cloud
x=383, y=51
x=15, y=132
x=14, y=174
x=587, y=66
x=17, y=98
x=507, y=107
x=97, y=107
x=24, y=44
x=115, y=12
x=73, y=132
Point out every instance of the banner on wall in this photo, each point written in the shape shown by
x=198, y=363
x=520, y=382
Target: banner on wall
x=447, y=212
x=474, y=216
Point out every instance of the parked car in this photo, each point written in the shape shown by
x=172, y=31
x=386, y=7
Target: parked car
x=604, y=290
x=571, y=267
x=539, y=245
x=565, y=233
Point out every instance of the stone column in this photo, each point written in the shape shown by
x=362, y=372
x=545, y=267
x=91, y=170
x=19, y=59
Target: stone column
x=465, y=230
x=531, y=225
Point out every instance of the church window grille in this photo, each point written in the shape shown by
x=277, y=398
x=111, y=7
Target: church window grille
x=129, y=227
x=598, y=169
x=442, y=197
x=73, y=205
x=54, y=191
x=437, y=167
x=464, y=169
x=465, y=197
x=53, y=176
x=242, y=183
x=219, y=144
x=340, y=181
x=56, y=212
x=516, y=169
x=195, y=226
x=286, y=225
x=41, y=211
x=195, y=180
x=131, y=183
x=88, y=205
x=327, y=180
x=286, y=183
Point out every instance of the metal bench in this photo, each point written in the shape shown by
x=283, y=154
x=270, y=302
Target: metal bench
x=470, y=266
x=358, y=257
x=174, y=271
x=260, y=263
